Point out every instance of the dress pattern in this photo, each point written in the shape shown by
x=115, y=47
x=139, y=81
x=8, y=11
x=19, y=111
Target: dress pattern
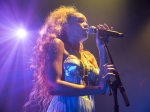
x=73, y=71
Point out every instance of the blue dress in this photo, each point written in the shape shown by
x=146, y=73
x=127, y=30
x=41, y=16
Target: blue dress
x=73, y=72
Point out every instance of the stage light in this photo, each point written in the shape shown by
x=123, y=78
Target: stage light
x=21, y=33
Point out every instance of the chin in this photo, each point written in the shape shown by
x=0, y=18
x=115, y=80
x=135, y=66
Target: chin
x=84, y=39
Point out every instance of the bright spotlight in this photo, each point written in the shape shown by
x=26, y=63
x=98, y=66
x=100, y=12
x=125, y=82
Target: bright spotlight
x=21, y=33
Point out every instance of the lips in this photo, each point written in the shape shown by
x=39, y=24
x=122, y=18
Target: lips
x=86, y=30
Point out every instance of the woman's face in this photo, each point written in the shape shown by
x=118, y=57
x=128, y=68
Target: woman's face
x=77, y=28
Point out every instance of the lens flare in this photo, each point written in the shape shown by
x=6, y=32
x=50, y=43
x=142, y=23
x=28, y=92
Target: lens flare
x=21, y=33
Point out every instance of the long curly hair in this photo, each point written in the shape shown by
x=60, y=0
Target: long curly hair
x=53, y=28
x=40, y=97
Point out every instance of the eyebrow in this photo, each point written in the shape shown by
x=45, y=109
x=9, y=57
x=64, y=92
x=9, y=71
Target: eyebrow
x=79, y=18
x=82, y=18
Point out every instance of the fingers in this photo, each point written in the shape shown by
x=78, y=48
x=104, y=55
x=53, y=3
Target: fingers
x=108, y=75
x=100, y=26
x=108, y=70
x=101, y=35
x=104, y=27
x=109, y=65
x=111, y=28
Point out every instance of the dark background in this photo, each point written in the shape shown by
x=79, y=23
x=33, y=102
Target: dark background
x=130, y=54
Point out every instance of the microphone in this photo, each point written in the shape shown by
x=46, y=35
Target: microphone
x=93, y=29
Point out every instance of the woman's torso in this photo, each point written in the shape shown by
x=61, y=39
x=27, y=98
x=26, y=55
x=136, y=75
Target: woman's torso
x=73, y=72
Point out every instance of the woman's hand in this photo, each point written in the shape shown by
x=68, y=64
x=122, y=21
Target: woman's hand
x=103, y=37
x=108, y=71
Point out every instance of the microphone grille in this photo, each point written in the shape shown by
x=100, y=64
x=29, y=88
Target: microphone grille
x=92, y=30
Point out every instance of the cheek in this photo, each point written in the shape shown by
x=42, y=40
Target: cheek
x=75, y=30
x=78, y=29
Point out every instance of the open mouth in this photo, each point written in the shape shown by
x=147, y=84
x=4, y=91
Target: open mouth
x=86, y=30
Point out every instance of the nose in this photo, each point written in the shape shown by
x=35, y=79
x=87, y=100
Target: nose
x=86, y=25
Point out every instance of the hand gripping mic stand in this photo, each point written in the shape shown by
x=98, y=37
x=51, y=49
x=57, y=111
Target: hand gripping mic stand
x=116, y=84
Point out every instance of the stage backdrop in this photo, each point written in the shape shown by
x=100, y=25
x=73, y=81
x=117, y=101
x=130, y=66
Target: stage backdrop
x=130, y=54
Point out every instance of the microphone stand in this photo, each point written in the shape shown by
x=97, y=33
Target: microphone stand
x=116, y=84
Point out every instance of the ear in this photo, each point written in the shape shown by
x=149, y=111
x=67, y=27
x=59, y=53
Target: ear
x=66, y=27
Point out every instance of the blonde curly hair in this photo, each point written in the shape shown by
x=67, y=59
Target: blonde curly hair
x=53, y=28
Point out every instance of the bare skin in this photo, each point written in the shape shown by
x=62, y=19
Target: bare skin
x=77, y=32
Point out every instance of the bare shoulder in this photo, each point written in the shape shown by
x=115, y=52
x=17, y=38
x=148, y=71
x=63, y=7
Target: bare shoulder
x=54, y=60
x=56, y=46
x=56, y=50
x=57, y=43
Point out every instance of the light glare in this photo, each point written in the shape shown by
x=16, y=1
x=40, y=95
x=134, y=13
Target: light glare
x=21, y=33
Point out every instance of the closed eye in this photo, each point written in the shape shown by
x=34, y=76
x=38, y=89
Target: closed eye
x=81, y=20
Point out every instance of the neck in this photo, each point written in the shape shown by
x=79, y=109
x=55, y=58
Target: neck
x=74, y=49
x=75, y=46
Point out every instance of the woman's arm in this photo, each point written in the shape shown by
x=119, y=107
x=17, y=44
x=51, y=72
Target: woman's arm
x=105, y=69
x=54, y=73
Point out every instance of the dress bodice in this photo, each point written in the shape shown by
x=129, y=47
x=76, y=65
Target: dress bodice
x=73, y=69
